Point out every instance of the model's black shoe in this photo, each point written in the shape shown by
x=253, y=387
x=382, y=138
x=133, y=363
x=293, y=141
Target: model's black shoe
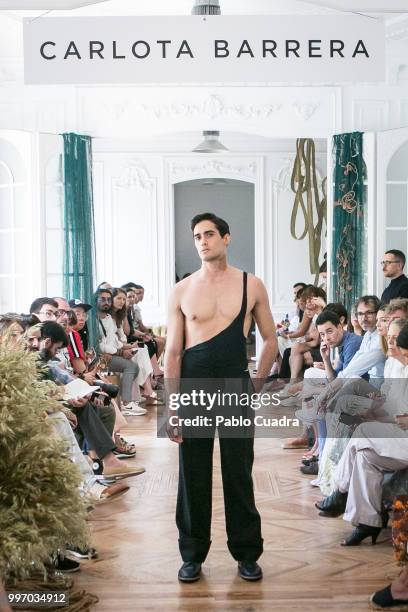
x=189, y=572
x=360, y=533
x=383, y=600
x=334, y=505
x=249, y=570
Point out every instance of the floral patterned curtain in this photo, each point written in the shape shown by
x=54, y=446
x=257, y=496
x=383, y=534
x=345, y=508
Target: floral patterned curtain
x=349, y=219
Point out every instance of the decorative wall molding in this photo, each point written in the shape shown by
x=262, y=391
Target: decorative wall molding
x=134, y=175
x=304, y=110
x=213, y=107
x=240, y=169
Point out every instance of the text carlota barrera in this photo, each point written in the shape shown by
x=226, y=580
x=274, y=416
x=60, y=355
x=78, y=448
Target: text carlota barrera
x=163, y=49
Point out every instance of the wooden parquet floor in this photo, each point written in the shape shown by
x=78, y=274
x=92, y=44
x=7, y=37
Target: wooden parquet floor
x=304, y=566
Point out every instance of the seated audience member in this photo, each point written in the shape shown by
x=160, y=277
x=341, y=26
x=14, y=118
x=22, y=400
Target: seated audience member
x=160, y=341
x=294, y=332
x=81, y=312
x=354, y=400
x=305, y=353
x=140, y=354
x=368, y=362
x=47, y=339
x=393, y=265
x=376, y=447
x=333, y=336
x=118, y=360
x=397, y=309
x=72, y=359
x=354, y=326
x=44, y=309
x=135, y=335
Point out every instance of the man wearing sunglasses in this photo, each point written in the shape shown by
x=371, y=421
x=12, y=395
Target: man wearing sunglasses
x=393, y=266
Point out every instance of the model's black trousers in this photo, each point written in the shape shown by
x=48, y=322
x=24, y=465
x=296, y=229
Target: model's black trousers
x=194, y=502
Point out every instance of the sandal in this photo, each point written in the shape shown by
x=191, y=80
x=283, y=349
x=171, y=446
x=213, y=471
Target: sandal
x=101, y=494
x=123, y=446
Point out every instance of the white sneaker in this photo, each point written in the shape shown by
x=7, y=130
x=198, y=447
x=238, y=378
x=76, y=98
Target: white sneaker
x=133, y=409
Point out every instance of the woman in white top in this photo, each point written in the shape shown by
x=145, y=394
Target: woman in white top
x=141, y=356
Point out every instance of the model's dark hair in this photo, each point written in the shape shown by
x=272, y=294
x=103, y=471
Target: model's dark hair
x=398, y=255
x=40, y=302
x=339, y=309
x=221, y=225
x=303, y=285
x=54, y=331
x=402, y=340
x=328, y=316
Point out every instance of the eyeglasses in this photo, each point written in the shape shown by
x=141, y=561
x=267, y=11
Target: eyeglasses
x=49, y=314
x=104, y=299
x=367, y=312
x=61, y=312
x=386, y=263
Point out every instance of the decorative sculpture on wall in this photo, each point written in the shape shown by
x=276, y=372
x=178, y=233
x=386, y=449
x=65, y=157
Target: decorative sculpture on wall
x=304, y=184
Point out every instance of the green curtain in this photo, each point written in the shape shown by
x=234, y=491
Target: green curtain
x=349, y=219
x=79, y=226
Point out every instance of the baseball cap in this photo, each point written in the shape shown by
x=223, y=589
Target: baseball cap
x=79, y=304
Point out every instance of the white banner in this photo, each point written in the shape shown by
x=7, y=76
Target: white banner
x=213, y=49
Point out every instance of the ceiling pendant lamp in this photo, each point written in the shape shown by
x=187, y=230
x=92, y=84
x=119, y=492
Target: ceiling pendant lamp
x=206, y=7
x=210, y=144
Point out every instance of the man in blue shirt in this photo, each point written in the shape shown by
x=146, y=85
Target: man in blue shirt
x=333, y=335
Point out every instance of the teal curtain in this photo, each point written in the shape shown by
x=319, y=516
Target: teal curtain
x=79, y=227
x=349, y=219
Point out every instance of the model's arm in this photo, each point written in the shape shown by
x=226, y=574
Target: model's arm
x=264, y=320
x=172, y=359
x=175, y=338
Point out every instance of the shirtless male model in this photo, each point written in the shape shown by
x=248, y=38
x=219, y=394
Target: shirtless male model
x=210, y=314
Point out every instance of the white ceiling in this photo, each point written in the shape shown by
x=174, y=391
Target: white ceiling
x=27, y=5
x=387, y=10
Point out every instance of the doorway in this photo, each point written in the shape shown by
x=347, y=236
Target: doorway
x=230, y=199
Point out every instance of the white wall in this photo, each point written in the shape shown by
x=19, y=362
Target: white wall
x=232, y=201
x=143, y=138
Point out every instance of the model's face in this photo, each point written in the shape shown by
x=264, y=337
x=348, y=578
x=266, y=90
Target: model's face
x=119, y=301
x=382, y=323
x=331, y=334
x=367, y=316
x=210, y=245
x=392, y=335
